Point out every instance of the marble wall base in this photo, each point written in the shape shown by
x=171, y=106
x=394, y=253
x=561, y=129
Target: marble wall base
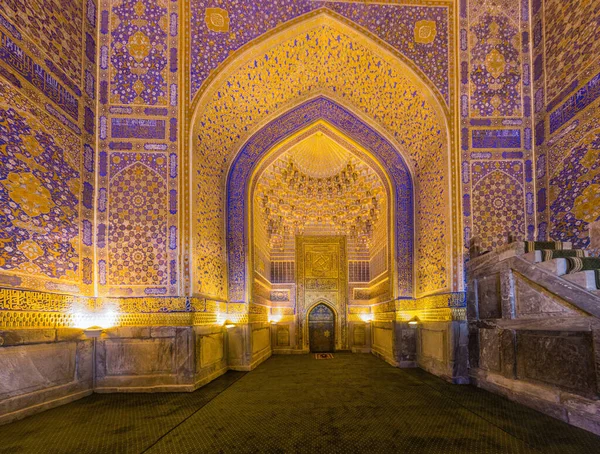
x=394, y=342
x=443, y=349
x=42, y=369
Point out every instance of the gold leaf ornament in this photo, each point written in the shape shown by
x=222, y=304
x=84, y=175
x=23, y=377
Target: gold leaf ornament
x=425, y=31
x=217, y=19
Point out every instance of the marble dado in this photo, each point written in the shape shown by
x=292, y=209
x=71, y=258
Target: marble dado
x=180, y=343
x=44, y=368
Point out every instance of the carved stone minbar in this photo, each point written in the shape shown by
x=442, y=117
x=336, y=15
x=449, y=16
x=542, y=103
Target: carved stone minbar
x=534, y=337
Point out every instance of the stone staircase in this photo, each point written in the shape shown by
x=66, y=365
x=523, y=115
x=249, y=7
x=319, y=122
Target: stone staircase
x=574, y=265
x=533, y=311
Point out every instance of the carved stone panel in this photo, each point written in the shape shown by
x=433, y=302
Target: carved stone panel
x=489, y=344
x=260, y=339
x=533, y=300
x=564, y=359
x=360, y=338
x=488, y=297
x=211, y=349
x=433, y=344
x=28, y=368
x=140, y=356
x=383, y=338
x=283, y=336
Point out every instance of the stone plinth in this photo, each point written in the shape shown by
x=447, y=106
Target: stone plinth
x=42, y=369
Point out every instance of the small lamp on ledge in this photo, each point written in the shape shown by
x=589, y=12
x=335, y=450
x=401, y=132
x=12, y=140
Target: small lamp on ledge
x=229, y=324
x=93, y=332
x=367, y=318
x=414, y=322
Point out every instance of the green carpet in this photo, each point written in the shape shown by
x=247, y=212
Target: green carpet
x=351, y=403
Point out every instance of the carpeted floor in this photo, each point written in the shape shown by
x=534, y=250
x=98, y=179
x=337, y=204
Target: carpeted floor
x=351, y=403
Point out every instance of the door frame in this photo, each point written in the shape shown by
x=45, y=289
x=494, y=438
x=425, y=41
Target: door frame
x=337, y=325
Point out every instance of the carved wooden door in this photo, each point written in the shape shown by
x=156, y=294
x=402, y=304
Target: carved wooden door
x=321, y=329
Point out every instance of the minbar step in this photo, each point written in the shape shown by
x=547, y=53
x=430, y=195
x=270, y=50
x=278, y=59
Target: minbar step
x=555, y=266
x=545, y=255
x=585, y=279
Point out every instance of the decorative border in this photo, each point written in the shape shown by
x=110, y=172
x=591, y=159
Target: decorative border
x=119, y=122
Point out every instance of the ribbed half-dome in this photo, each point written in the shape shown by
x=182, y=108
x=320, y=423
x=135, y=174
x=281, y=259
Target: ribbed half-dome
x=319, y=156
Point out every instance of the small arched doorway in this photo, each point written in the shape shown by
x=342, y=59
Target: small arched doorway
x=321, y=329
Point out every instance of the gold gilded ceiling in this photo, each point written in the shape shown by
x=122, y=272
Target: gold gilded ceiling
x=318, y=156
x=331, y=193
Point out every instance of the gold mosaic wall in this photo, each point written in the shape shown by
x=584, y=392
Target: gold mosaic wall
x=330, y=59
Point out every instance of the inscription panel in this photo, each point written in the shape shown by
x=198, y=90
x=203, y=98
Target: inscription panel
x=321, y=261
x=322, y=285
x=137, y=128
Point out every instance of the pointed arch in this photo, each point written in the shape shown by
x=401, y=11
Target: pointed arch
x=325, y=302
x=366, y=78
x=133, y=164
x=264, y=141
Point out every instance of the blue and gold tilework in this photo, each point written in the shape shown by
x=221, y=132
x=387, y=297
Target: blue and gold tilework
x=326, y=58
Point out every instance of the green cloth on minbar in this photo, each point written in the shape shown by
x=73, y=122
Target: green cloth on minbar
x=549, y=254
x=531, y=246
x=576, y=264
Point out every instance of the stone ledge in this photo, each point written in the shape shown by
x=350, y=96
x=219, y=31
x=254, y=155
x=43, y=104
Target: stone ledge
x=574, y=409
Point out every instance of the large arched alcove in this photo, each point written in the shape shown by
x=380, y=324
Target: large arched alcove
x=321, y=55
x=291, y=199
x=271, y=140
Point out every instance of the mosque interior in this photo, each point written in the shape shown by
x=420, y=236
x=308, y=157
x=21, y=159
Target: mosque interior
x=300, y=201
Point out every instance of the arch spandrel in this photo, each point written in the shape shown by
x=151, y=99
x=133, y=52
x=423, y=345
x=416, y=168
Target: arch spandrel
x=326, y=57
x=400, y=40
